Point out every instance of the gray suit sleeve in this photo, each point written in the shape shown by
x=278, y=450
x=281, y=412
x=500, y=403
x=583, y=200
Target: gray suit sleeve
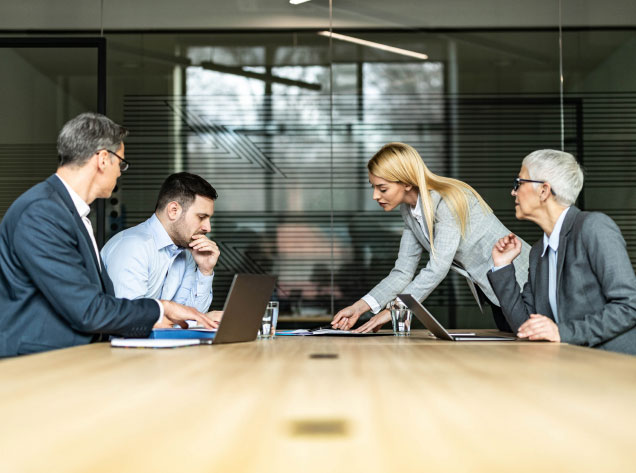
x=610, y=263
x=446, y=235
x=446, y=238
x=516, y=305
x=403, y=271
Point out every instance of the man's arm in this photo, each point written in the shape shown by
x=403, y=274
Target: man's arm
x=196, y=288
x=610, y=263
x=46, y=241
x=128, y=265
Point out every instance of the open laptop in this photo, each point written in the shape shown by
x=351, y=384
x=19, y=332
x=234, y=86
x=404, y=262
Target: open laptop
x=244, y=308
x=242, y=314
x=438, y=329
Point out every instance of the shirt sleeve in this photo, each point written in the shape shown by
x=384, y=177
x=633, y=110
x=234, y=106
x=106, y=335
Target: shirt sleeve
x=128, y=267
x=373, y=303
x=161, y=311
x=497, y=268
x=196, y=288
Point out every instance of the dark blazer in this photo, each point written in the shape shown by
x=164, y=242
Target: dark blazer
x=52, y=293
x=596, y=286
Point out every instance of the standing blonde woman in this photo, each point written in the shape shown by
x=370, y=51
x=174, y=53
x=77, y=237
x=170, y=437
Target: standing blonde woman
x=443, y=216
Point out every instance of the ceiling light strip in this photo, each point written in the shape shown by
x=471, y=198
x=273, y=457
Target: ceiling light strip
x=371, y=44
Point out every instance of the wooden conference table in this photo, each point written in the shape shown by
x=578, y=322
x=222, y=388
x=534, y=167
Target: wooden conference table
x=319, y=404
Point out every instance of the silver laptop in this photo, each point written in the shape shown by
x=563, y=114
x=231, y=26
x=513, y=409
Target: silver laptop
x=438, y=329
x=242, y=314
x=244, y=308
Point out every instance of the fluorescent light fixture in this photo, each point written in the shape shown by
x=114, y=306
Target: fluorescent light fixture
x=297, y=2
x=371, y=44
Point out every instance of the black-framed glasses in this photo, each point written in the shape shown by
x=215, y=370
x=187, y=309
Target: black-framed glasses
x=123, y=164
x=518, y=181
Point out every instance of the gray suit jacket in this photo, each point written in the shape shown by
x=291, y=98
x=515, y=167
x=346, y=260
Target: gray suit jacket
x=596, y=286
x=470, y=256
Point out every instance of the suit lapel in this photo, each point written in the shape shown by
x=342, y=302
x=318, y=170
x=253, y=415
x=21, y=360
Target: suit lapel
x=564, y=237
x=422, y=234
x=66, y=198
x=416, y=228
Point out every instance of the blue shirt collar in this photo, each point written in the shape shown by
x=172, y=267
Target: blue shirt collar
x=553, y=240
x=161, y=237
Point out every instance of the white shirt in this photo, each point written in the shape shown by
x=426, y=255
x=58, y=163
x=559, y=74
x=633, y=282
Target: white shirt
x=418, y=215
x=83, y=210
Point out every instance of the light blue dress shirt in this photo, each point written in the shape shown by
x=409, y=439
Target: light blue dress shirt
x=552, y=242
x=142, y=261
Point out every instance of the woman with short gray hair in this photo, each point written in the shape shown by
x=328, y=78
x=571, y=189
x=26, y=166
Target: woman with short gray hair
x=559, y=168
x=581, y=286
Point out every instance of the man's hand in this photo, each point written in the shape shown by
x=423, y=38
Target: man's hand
x=174, y=313
x=539, y=327
x=376, y=322
x=205, y=253
x=215, y=315
x=347, y=317
x=506, y=249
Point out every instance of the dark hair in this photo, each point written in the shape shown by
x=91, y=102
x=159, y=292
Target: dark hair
x=183, y=187
x=86, y=134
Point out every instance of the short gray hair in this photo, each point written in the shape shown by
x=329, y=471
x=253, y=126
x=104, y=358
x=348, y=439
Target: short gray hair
x=560, y=170
x=86, y=134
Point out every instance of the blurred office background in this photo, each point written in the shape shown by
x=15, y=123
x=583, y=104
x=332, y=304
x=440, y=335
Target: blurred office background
x=281, y=118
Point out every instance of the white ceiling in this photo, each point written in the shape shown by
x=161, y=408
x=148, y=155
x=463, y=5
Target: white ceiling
x=232, y=14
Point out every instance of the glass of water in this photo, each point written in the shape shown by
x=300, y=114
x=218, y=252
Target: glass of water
x=401, y=318
x=269, y=321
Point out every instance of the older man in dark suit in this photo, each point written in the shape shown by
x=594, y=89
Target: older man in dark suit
x=581, y=286
x=54, y=289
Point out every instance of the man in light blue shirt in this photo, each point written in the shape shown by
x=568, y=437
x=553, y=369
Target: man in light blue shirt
x=168, y=256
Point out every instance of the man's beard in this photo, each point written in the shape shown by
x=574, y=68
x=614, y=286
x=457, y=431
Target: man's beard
x=178, y=236
x=181, y=239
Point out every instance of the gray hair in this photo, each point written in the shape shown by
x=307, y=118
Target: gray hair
x=86, y=134
x=560, y=170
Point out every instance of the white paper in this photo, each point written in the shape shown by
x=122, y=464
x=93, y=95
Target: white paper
x=153, y=342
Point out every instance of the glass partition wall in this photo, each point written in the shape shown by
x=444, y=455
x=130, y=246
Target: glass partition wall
x=282, y=123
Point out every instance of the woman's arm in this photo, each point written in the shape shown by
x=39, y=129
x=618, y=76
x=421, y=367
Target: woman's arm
x=399, y=277
x=403, y=271
x=446, y=238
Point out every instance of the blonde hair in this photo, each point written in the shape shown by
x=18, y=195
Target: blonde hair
x=399, y=162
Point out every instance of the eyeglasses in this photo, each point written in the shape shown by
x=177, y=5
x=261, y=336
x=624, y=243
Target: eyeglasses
x=518, y=181
x=123, y=164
